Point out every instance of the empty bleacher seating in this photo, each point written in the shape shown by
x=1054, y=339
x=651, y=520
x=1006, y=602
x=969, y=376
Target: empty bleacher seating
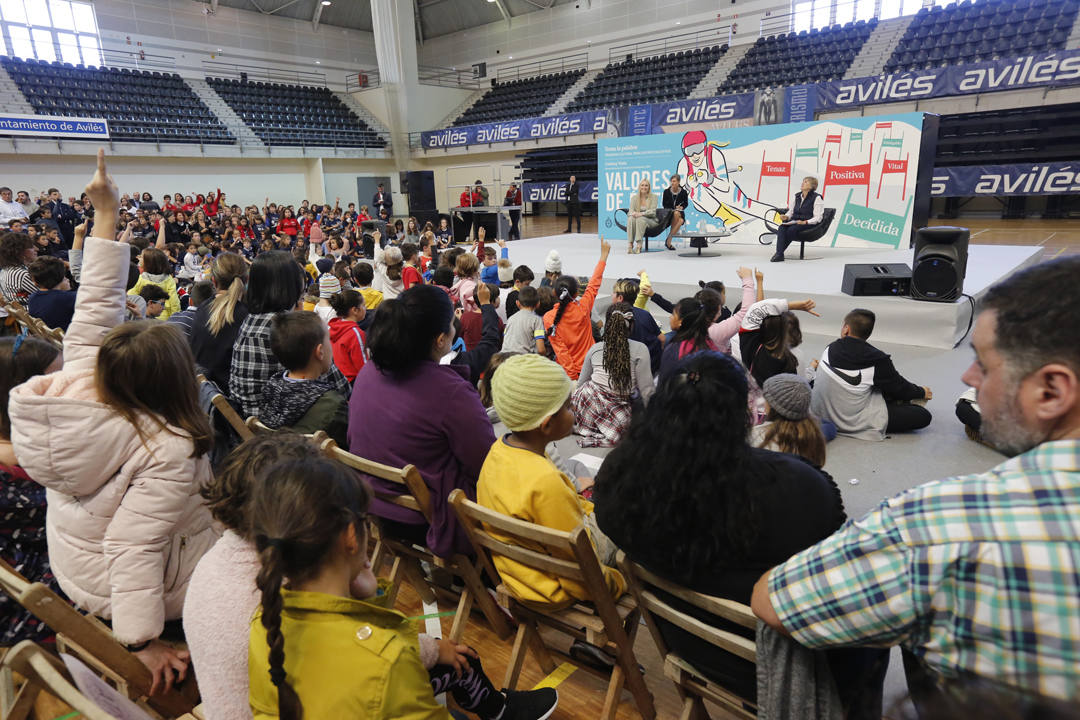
x=646, y=80
x=529, y=97
x=973, y=32
x=1013, y=135
x=140, y=105
x=295, y=114
x=802, y=57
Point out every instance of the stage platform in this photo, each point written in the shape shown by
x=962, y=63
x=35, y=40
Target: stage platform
x=900, y=319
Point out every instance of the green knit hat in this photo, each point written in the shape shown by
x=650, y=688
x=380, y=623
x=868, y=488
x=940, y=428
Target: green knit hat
x=528, y=389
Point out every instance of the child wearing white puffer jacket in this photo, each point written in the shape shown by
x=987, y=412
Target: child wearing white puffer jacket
x=119, y=441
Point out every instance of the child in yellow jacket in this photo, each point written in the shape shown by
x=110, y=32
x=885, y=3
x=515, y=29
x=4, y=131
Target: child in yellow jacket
x=316, y=650
x=531, y=395
x=154, y=270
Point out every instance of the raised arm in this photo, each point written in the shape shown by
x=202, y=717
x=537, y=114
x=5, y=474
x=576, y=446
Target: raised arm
x=160, y=244
x=722, y=332
x=99, y=305
x=593, y=288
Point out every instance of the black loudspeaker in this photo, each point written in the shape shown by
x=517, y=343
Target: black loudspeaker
x=882, y=279
x=421, y=190
x=940, y=263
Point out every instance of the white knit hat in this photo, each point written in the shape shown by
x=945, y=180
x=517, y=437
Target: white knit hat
x=553, y=264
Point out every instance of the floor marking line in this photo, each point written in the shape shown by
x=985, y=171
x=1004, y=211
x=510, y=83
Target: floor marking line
x=1058, y=253
x=557, y=676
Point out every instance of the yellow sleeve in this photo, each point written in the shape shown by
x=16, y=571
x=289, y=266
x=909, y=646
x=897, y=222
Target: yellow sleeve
x=408, y=694
x=642, y=300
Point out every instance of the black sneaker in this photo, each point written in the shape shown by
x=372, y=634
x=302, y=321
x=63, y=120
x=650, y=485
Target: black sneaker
x=777, y=258
x=530, y=704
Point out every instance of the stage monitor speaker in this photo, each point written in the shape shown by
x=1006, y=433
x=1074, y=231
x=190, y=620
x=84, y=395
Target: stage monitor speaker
x=881, y=279
x=421, y=190
x=940, y=263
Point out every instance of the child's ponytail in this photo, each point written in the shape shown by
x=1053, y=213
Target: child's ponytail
x=271, y=574
x=617, y=328
x=230, y=275
x=566, y=288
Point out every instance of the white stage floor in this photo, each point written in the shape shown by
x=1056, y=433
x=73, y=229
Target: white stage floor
x=900, y=320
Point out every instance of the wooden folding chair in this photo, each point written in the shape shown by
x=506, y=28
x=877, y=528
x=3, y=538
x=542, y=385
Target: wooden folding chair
x=33, y=326
x=602, y=622
x=42, y=671
x=407, y=557
x=91, y=641
x=693, y=687
x=222, y=405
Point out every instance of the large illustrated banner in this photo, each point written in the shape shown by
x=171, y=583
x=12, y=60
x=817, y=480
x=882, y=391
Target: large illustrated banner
x=737, y=179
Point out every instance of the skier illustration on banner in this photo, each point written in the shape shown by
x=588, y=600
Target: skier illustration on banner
x=711, y=190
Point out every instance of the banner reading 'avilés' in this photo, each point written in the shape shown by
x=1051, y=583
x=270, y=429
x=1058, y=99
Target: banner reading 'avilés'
x=1059, y=68
x=738, y=178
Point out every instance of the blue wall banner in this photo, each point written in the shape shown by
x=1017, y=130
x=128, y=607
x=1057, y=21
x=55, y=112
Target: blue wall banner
x=556, y=191
x=702, y=114
x=801, y=102
x=1059, y=68
x=1056, y=178
x=54, y=126
x=738, y=178
x=513, y=130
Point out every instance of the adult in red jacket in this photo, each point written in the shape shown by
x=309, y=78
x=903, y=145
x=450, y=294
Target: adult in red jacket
x=288, y=225
x=350, y=344
x=468, y=198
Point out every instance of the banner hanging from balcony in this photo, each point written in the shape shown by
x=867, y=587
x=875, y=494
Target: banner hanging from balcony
x=738, y=179
x=699, y=114
x=514, y=130
x=1056, y=178
x=47, y=126
x=1044, y=69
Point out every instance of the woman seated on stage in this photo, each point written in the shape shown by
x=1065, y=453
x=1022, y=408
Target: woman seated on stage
x=641, y=218
x=675, y=200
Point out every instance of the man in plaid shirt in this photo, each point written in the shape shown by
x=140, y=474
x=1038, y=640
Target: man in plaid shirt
x=976, y=576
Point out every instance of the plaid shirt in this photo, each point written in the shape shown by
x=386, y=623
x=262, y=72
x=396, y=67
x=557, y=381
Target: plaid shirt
x=977, y=574
x=253, y=363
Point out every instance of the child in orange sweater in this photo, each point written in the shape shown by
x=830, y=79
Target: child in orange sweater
x=569, y=323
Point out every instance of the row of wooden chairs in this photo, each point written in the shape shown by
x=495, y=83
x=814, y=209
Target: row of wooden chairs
x=604, y=622
x=27, y=323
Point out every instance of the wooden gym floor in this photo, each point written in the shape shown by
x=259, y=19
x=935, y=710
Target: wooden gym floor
x=1057, y=237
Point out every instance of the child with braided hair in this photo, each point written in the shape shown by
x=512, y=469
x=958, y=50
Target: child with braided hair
x=616, y=374
x=324, y=644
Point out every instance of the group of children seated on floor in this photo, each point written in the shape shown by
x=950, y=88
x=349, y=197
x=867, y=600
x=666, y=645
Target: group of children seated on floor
x=283, y=612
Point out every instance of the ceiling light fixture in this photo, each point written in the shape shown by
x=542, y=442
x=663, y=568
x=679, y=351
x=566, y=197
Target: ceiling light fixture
x=318, y=62
x=325, y=3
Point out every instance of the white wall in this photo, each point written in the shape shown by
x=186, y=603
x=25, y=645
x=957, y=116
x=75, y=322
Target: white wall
x=595, y=27
x=180, y=29
x=244, y=181
x=430, y=104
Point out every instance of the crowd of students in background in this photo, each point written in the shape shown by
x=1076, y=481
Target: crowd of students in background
x=311, y=321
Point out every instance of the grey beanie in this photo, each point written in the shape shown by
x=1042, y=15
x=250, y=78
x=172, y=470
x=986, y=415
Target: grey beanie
x=789, y=395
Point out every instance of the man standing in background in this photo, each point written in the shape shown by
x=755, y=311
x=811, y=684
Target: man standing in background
x=513, y=197
x=382, y=201
x=573, y=204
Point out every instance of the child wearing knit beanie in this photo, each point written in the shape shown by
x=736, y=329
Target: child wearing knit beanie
x=329, y=286
x=531, y=395
x=789, y=427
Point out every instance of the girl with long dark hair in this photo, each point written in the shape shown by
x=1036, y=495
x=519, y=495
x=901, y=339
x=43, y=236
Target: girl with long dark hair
x=615, y=375
x=724, y=512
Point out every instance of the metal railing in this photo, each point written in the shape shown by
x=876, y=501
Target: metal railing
x=578, y=61
x=362, y=80
x=259, y=73
x=838, y=14
x=138, y=60
x=447, y=77
x=671, y=43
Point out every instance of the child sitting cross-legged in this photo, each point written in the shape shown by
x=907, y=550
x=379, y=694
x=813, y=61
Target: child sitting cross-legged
x=324, y=644
x=298, y=398
x=531, y=395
